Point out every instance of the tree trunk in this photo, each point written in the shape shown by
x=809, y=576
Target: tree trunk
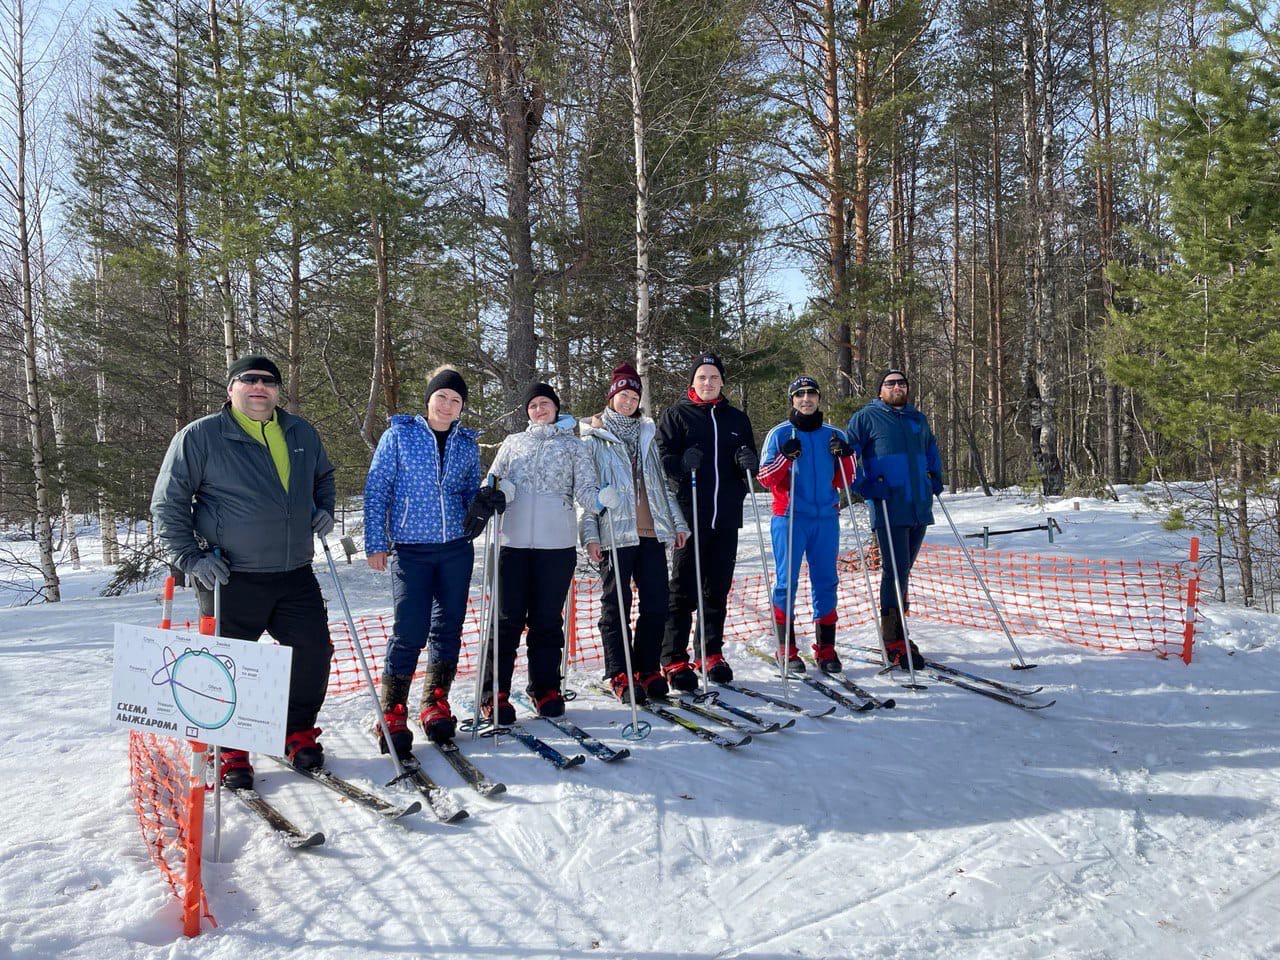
x=1047, y=356
x=184, y=411
x=1244, y=536
x=1039, y=359
x=646, y=347
x=294, y=386
x=106, y=516
x=369, y=429
x=995, y=345
x=519, y=100
x=224, y=256
x=57, y=413
x=856, y=372
x=244, y=161
x=30, y=353
x=837, y=206
x=953, y=367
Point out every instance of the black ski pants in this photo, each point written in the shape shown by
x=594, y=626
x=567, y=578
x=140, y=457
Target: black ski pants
x=647, y=565
x=719, y=554
x=532, y=586
x=907, y=542
x=290, y=607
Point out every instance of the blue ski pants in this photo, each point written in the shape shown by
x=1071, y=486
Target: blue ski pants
x=815, y=538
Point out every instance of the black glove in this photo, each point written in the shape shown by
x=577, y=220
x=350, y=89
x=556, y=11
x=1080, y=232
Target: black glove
x=483, y=506
x=873, y=488
x=935, y=481
x=791, y=449
x=838, y=447
x=493, y=499
x=747, y=460
x=691, y=460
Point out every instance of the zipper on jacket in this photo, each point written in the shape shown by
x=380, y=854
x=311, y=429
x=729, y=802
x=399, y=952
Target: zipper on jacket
x=715, y=447
x=444, y=523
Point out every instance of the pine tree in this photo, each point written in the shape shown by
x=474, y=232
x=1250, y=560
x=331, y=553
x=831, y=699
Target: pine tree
x=1195, y=335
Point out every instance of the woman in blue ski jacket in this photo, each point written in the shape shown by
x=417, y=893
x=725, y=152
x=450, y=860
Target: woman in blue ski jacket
x=422, y=509
x=814, y=457
x=900, y=472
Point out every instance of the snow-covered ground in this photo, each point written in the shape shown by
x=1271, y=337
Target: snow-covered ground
x=1134, y=819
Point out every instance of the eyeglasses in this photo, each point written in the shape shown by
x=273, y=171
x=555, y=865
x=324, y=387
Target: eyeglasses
x=805, y=393
x=253, y=379
x=895, y=383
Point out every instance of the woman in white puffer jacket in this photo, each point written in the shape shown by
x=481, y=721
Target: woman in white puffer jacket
x=644, y=523
x=548, y=469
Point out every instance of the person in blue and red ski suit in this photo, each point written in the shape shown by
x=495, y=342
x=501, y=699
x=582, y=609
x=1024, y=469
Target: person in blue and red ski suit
x=819, y=459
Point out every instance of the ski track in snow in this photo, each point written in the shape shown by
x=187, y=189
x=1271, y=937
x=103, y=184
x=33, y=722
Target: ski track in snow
x=1136, y=818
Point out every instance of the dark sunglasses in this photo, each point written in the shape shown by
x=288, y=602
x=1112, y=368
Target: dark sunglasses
x=253, y=379
x=895, y=383
x=806, y=392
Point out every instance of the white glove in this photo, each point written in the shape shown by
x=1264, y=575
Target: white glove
x=608, y=498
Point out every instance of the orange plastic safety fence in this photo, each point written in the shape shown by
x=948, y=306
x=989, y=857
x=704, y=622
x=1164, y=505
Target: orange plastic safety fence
x=159, y=779
x=1134, y=605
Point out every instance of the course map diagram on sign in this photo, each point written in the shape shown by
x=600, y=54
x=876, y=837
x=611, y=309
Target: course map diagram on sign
x=232, y=693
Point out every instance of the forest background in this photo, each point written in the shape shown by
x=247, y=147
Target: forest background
x=1060, y=216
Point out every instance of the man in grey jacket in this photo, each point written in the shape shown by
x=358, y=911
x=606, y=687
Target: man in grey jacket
x=240, y=497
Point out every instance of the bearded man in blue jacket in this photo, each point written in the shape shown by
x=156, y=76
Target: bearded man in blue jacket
x=900, y=472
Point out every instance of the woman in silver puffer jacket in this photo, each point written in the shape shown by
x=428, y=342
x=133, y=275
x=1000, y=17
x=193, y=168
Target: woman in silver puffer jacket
x=644, y=523
x=548, y=469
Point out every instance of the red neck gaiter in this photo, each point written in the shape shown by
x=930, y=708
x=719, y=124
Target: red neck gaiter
x=693, y=395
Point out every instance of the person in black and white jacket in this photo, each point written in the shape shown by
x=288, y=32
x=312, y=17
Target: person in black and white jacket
x=704, y=434
x=647, y=519
x=548, y=469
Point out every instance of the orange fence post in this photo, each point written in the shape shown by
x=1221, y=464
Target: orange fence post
x=193, y=898
x=166, y=609
x=1193, y=596
x=193, y=886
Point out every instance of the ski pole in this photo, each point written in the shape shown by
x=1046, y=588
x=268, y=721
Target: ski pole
x=364, y=663
x=624, y=619
x=866, y=574
x=764, y=561
x=495, y=613
x=1022, y=663
x=897, y=590
x=787, y=628
x=697, y=572
x=486, y=611
x=217, y=750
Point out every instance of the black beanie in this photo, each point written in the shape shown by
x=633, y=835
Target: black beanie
x=541, y=390
x=244, y=364
x=703, y=359
x=447, y=379
x=887, y=374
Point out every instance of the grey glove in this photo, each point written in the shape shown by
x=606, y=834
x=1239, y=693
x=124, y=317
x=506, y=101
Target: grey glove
x=209, y=570
x=321, y=522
